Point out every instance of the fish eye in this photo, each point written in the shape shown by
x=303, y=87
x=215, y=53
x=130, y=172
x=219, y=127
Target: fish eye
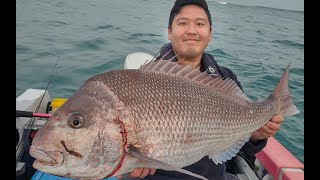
x=75, y=120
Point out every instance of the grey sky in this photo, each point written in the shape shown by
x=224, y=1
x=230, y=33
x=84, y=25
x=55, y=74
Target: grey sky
x=281, y=4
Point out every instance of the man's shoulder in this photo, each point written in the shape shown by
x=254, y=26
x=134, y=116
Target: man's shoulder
x=224, y=71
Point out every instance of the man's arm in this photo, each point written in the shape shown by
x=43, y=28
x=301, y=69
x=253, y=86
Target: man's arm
x=259, y=137
x=269, y=129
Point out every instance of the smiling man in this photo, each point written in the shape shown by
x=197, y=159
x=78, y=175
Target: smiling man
x=190, y=32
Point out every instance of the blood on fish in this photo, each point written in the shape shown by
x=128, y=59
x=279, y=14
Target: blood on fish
x=69, y=151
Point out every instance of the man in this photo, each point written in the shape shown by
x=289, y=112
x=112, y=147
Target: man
x=189, y=31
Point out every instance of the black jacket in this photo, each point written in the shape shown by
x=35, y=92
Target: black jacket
x=205, y=167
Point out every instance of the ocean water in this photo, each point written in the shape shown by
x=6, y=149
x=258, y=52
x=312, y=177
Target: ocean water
x=90, y=37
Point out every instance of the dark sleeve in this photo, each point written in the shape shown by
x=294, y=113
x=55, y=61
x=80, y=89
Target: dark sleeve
x=249, y=148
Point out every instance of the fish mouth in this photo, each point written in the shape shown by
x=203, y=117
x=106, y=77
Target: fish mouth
x=45, y=158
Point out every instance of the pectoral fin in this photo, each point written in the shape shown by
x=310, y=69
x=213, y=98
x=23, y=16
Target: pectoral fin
x=161, y=165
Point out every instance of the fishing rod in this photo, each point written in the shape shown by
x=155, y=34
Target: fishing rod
x=26, y=132
x=31, y=114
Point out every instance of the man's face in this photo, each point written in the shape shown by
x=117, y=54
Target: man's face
x=190, y=32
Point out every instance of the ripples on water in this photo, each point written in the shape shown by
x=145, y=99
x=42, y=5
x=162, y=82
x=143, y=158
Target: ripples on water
x=91, y=37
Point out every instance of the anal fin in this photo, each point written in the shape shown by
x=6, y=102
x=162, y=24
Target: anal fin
x=231, y=152
x=162, y=165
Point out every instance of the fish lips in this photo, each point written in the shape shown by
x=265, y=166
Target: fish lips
x=46, y=158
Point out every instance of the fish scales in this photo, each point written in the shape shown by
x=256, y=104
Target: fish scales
x=168, y=107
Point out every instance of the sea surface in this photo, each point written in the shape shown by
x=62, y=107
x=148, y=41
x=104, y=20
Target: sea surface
x=85, y=38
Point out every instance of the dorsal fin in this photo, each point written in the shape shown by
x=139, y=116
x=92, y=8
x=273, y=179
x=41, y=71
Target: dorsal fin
x=226, y=85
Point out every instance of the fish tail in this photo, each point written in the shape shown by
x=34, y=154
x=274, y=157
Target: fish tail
x=282, y=95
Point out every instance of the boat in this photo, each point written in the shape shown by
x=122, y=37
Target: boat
x=34, y=106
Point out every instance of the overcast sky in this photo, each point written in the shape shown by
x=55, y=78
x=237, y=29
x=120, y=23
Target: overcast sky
x=281, y=4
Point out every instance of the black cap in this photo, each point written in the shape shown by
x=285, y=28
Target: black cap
x=180, y=3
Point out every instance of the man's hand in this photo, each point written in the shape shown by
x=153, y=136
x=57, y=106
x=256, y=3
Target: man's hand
x=141, y=172
x=269, y=129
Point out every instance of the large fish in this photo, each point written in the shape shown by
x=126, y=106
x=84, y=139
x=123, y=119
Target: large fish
x=163, y=116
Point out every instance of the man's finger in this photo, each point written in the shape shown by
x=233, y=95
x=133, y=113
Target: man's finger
x=261, y=134
x=144, y=173
x=152, y=171
x=136, y=172
x=273, y=126
x=277, y=119
x=265, y=130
